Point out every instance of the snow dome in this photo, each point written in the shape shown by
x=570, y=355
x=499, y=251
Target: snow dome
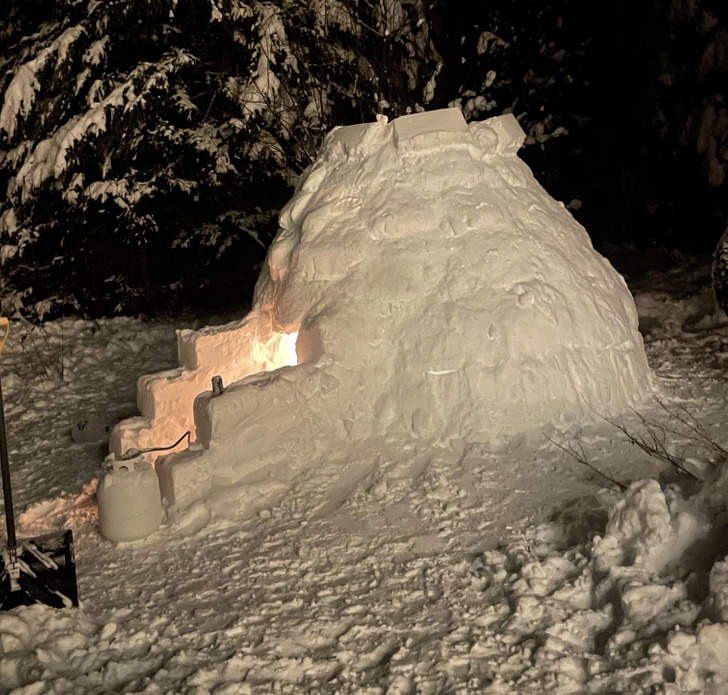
x=422, y=286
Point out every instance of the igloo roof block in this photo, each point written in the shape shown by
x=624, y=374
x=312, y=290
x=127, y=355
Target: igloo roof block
x=433, y=291
x=442, y=120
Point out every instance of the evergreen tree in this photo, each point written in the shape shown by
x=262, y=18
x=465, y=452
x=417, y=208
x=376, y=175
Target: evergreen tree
x=690, y=116
x=528, y=59
x=146, y=145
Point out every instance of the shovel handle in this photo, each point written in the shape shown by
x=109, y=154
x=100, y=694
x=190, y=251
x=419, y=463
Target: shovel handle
x=7, y=493
x=4, y=465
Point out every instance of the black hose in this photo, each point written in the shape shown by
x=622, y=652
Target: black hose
x=133, y=453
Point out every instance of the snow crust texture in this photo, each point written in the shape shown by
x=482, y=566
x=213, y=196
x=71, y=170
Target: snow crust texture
x=295, y=603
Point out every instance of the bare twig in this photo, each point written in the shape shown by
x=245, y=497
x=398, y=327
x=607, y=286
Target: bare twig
x=696, y=430
x=653, y=442
x=580, y=456
x=39, y=366
x=45, y=360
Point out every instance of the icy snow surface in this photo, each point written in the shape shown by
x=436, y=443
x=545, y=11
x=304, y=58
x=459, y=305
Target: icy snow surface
x=395, y=570
x=440, y=297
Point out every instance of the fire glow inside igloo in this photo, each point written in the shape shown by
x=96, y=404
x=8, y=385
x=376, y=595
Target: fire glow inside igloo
x=423, y=286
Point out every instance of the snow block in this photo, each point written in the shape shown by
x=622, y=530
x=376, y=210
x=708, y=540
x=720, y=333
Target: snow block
x=509, y=136
x=442, y=120
x=166, y=399
x=184, y=478
x=349, y=137
x=431, y=290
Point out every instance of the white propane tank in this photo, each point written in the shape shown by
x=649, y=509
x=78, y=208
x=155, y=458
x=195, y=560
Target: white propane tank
x=130, y=504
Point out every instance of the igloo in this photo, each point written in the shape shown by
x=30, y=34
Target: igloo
x=422, y=286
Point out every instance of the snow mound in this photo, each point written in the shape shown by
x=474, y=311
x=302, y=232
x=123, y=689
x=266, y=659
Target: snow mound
x=435, y=291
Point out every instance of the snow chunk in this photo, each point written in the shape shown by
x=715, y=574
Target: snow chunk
x=648, y=531
x=450, y=120
x=719, y=589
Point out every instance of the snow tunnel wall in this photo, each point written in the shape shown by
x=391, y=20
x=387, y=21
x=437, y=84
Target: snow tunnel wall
x=440, y=294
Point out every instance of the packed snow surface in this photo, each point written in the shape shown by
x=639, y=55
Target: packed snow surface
x=438, y=294
x=500, y=569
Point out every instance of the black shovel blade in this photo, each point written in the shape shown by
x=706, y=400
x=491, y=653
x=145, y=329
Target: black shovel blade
x=47, y=573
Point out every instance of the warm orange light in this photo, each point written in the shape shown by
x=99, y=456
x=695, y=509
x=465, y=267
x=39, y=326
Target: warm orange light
x=276, y=352
x=288, y=349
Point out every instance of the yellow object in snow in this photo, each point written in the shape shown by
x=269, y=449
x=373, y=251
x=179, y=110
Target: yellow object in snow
x=4, y=322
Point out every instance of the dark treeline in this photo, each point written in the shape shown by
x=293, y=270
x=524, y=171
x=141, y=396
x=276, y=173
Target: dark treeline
x=146, y=146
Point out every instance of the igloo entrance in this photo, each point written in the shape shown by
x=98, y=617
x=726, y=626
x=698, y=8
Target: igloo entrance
x=233, y=352
x=426, y=288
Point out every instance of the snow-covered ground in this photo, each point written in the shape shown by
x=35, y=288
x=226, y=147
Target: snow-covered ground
x=396, y=570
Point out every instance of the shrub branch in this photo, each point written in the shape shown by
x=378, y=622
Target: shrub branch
x=577, y=452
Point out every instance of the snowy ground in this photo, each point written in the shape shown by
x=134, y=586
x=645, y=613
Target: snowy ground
x=395, y=571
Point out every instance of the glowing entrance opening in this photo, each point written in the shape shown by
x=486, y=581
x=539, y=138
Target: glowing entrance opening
x=278, y=351
x=233, y=352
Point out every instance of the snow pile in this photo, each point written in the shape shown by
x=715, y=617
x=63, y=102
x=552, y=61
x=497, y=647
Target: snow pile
x=636, y=608
x=437, y=293
x=38, y=644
